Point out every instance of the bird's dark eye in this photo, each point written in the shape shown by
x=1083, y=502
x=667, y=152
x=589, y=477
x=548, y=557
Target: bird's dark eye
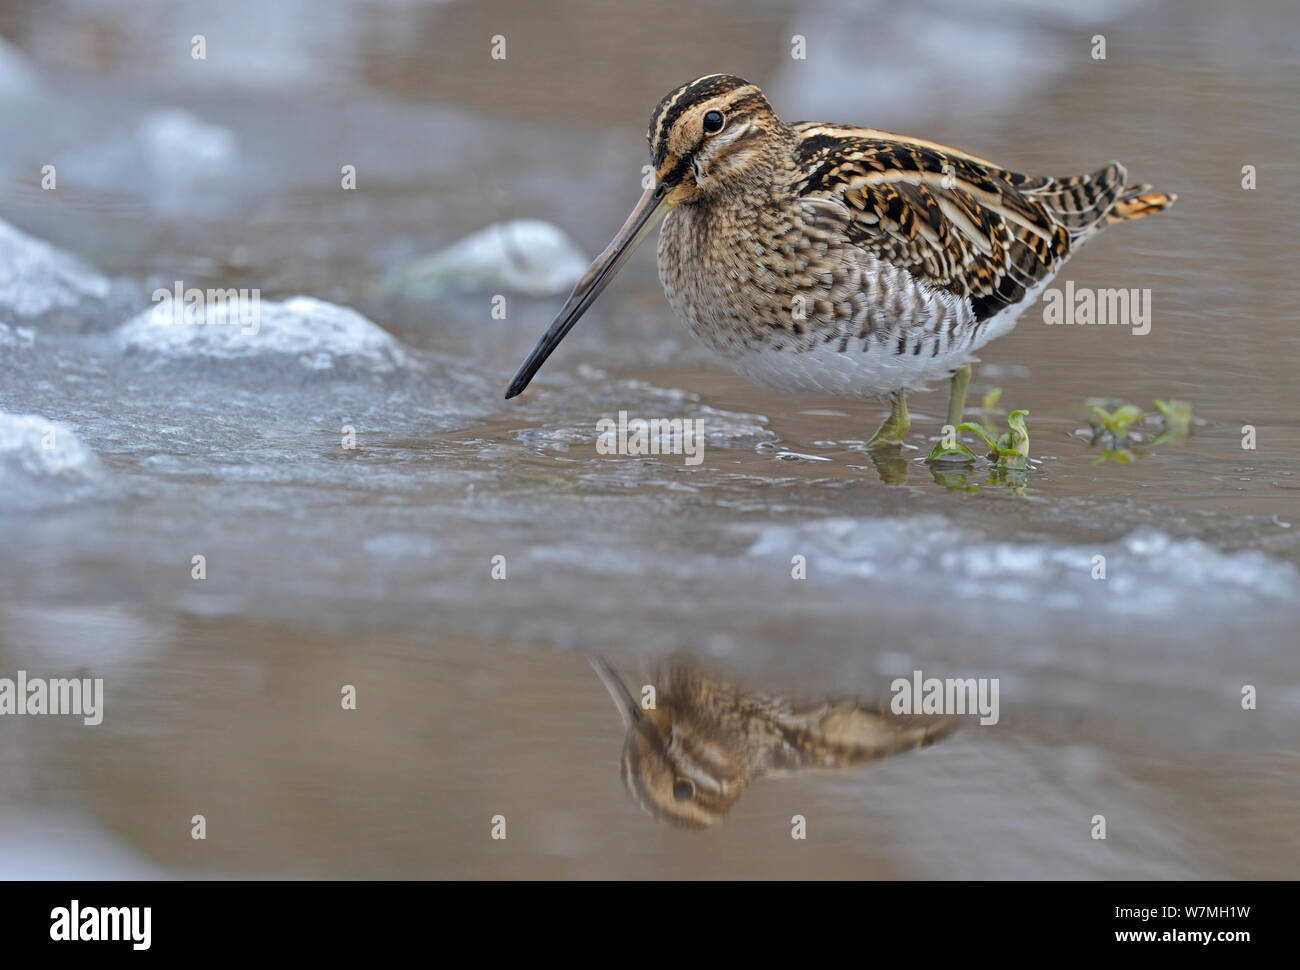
x=713, y=122
x=683, y=790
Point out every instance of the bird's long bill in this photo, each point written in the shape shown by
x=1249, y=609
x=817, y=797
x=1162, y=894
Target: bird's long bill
x=629, y=710
x=649, y=212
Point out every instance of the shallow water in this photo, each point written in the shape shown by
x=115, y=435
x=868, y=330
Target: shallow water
x=373, y=566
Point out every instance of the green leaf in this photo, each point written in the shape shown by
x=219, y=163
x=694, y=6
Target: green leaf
x=1116, y=422
x=1177, y=416
x=1019, y=433
x=957, y=453
x=1121, y=455
x=975, y=429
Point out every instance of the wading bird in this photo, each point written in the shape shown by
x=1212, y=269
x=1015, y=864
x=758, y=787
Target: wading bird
x=840, y=260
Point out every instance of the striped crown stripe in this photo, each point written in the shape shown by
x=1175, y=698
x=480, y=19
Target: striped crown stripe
x=674, y=104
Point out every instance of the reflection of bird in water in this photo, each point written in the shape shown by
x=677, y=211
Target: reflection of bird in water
x=689, y=759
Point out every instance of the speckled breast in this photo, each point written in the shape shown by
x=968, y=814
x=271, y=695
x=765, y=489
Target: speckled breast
x=791, y=310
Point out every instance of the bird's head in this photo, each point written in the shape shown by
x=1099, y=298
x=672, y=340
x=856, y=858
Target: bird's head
x=711, y=134
x=674, y=773
x=715, y=134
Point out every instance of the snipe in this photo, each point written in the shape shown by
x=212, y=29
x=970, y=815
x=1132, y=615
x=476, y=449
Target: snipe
x=688, y=760
x=840, y=260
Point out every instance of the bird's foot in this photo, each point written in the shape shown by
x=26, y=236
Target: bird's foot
x=893, y=430
x=957, y=395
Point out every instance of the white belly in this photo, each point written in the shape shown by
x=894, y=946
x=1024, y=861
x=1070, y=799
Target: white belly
x=858, y=372
x=866, y=369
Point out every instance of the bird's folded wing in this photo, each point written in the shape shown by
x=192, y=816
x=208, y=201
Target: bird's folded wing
x=953, y=221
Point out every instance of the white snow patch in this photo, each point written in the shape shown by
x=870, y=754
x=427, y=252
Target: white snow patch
x=317, y=335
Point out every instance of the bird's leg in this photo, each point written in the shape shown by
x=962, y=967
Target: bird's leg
x=957, y=395
x=893, y=429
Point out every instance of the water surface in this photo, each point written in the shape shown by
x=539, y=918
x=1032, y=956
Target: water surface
x=373, y=566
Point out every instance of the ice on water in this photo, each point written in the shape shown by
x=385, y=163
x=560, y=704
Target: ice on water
x=522, y=256
x=314, y=334
x=43, y=462
x=40, y=282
